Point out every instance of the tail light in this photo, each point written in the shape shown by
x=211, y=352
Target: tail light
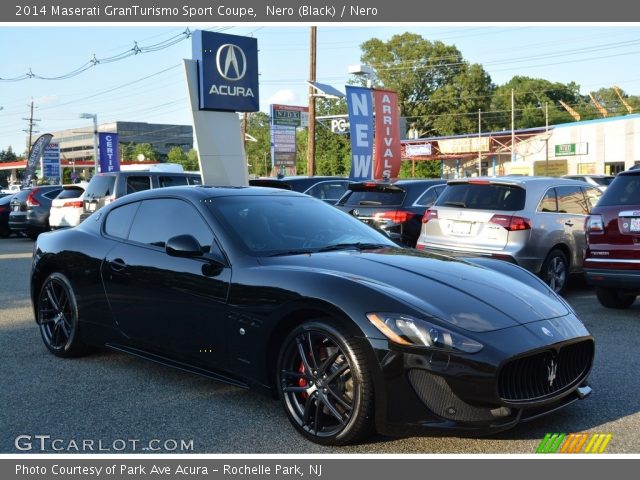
x=32, y=201
x=74, y=204
x=511, y=222
x=3, y=208
x=429, y=215
x=594, y=224
x=396, y=216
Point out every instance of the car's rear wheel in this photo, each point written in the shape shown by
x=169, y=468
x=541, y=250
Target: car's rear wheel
x=614, y=297
x=555, y=270
x=58, y=317
x=325, y=385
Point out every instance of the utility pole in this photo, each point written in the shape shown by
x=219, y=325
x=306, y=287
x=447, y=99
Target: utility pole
x=312, y=105
x=546, y=138
x=479, y=143
x=513, y=132
x=32, y=123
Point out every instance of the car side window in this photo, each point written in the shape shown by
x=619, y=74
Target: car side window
x=428, y=198
x=571, y=200
x=549, y=202
x=592, y=195
x=138, y=184
x=160, y=219
x=118, y=220
x=331, y=190
x=172, y=181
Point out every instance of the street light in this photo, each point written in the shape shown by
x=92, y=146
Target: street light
x=366, y=70
x=93, y=116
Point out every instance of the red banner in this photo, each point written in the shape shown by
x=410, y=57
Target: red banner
x=387, y=156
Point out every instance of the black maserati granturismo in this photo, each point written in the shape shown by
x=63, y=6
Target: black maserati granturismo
x=278, y=291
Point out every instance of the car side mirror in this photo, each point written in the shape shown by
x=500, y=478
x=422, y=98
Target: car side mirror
x=185, y=246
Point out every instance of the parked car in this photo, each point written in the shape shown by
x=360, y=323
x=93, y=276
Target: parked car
x=394, y=207
x=292, y=296
x=30, y=210
x=104, y=188
x=67, y=207
x=599, y=181
x=612, y=256
x=5, y=209
x=11, y=189
x=326, y=188
x=535, y=222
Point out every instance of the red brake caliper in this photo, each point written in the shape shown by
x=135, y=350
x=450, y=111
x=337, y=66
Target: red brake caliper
x=302, y=382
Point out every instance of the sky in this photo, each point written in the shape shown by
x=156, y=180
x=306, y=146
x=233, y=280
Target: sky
x=149, y=87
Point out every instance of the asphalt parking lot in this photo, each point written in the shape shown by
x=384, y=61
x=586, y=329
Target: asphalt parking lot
x=115, y=400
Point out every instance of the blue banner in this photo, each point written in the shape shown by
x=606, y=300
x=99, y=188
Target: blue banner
x=51, y=163
x=34, y=155
x=109, y=152
x=227, y=71
x=360, y=107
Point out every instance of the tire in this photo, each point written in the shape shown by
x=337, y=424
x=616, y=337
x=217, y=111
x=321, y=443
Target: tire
x=555, y=271
x=614, y=298
x=324, y=383
x=57, y=316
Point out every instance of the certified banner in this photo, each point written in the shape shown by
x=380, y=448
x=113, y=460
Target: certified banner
x=109, y=156
x=360, y=108
x=388, y=157
x=34, y=155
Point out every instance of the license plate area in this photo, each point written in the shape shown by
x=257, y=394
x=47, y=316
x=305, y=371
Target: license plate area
x=460, y=228
x=629, y=222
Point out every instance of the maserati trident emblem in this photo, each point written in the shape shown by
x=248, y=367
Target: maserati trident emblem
x=551, y=372
x=231, y=62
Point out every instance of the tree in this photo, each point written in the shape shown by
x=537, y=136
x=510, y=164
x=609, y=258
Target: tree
x=7, y=155
x=531, y=97
x=259, y=152
x=438, y=91
x=145, y=149
x=609, y=99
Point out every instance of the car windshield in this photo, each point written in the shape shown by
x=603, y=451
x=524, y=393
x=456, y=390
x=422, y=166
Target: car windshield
x=482, y=196
x=288, y=225
x=625, y=190
x=603, y=181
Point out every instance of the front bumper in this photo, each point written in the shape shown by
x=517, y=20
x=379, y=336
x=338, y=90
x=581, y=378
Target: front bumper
x=465, y=394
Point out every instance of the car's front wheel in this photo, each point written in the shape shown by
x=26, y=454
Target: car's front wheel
x=57, y=316
x=614, y=297
x=555, y=271
x=325, y=384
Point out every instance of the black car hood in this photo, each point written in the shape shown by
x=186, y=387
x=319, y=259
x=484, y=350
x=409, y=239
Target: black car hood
x=469, y=296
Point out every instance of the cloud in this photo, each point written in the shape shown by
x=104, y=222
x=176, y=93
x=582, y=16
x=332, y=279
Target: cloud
x=285, y=97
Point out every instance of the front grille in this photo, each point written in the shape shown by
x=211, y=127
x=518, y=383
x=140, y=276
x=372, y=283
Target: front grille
x=545, y=373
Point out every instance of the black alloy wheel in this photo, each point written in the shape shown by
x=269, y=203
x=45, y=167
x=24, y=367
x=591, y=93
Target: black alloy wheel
x=555, y=271
x=58, y=317
x=325, y=385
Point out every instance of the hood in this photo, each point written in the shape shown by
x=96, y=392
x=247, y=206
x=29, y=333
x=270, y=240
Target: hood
x=463, y=294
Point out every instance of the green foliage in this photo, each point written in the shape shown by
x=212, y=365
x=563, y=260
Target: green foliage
x=423, y=169
x=7, y=155
x=438, y=91
x=189, y=161
x=333, y=151
x=259, y=152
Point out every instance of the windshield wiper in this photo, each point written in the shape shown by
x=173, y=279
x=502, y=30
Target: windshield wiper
x=351, y=246
x=456, y=204
x=299, y=251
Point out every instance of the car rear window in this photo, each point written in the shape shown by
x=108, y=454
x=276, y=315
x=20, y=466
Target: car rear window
x=485, y=196
x=624, y=190
x=172, y=181
x=70, y=193
x=374, y=195
x=101, y=186
x=603, y=181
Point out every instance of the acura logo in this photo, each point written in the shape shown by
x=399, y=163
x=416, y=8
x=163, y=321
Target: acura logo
x=552, y=368
x=231, y=62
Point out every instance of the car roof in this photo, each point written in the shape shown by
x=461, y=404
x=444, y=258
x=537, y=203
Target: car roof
x=523, y=181
x=201, y=192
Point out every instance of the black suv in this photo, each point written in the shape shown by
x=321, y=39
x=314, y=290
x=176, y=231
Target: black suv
x=30, y=210
x=104, y=188
x=394, y=207
x=329, y=189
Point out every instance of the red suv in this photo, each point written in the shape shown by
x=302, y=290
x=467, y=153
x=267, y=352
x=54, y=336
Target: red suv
x=612, y=255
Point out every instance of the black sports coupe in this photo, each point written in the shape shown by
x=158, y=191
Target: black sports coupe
x=275, y=290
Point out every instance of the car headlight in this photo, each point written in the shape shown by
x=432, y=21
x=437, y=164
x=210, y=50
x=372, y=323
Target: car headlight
x=411, y=331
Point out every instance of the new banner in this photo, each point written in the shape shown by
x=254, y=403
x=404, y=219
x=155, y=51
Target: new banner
x=387, y=152
x=109, y=157
x=360, y=109
x=227, y=71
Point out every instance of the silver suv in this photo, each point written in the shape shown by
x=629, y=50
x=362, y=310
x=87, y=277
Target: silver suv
x=535, y=222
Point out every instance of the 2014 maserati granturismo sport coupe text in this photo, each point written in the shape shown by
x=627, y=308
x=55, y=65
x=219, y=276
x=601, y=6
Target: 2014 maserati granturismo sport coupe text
x=289, y=295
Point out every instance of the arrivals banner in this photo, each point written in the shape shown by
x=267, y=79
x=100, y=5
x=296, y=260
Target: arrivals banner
x=360, y=109
x=388, y=158
x=109, y=155
x=34, y=155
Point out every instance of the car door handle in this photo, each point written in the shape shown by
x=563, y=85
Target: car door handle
x=117, y=265
x=569, y=223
